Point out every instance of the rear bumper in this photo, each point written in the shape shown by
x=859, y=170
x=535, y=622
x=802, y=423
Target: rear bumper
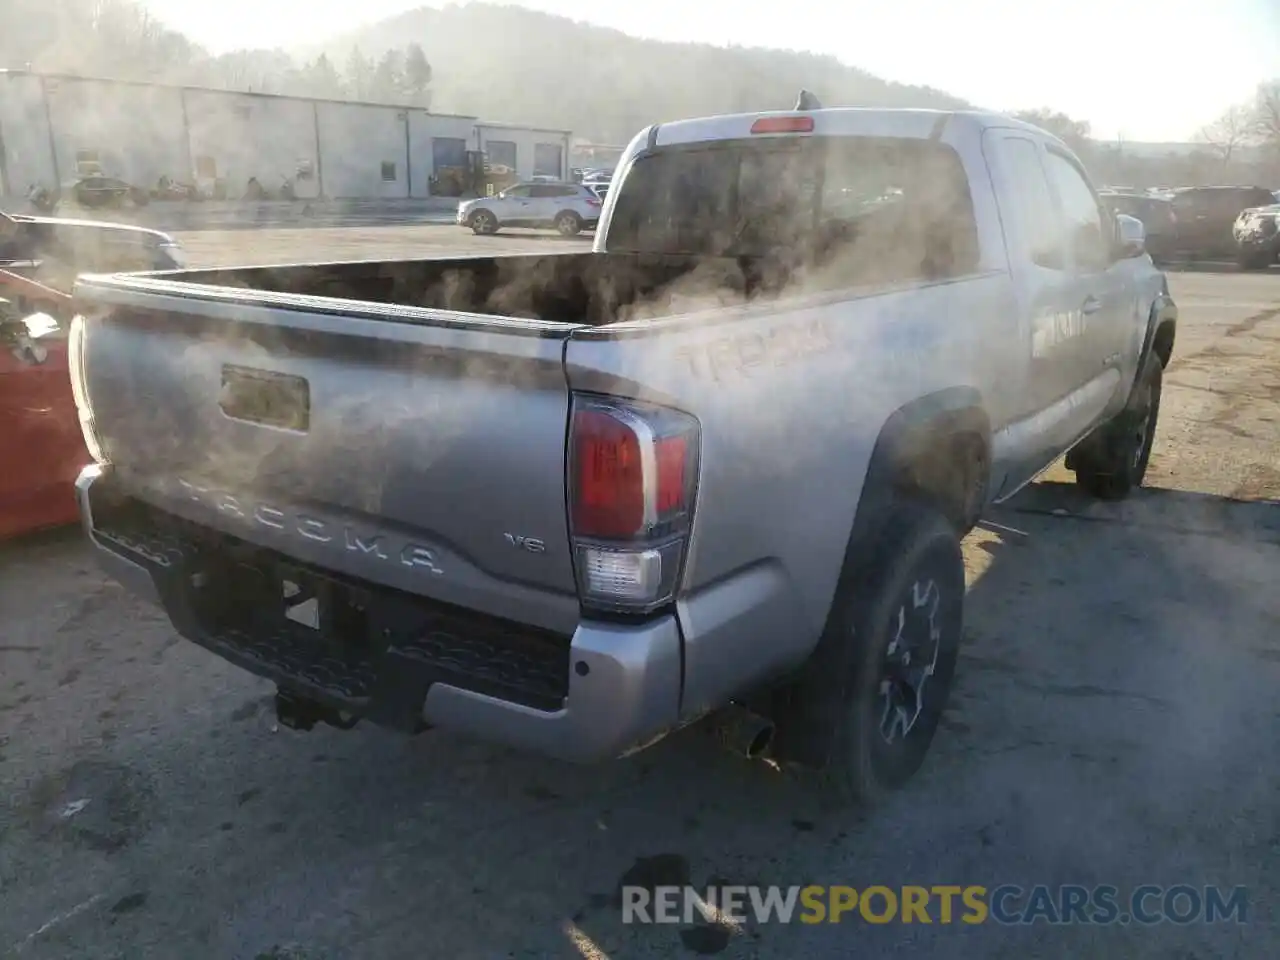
x=617, y=686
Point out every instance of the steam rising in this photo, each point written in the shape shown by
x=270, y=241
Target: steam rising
x=777, y=231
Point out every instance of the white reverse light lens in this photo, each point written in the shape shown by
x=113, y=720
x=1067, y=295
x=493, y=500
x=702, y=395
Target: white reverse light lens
x=626, y=575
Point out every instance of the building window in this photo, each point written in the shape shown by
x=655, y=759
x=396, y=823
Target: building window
x=87, y=163
x=388, y=172
x=548, y=160
x=501, y=153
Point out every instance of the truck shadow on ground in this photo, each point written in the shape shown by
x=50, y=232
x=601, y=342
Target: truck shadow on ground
x=1113, y=654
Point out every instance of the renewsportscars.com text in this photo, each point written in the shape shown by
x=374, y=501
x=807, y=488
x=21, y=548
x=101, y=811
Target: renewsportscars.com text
x=1006, y=904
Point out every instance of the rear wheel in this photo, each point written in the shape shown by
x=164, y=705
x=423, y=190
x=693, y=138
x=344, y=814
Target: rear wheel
x=1111, y=463
x=484, y=223
x=568, y=224
x=883, y=675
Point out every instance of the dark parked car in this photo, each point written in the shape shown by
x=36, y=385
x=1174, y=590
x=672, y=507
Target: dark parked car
x=1156, y=214
x=1207, y=216
x=1257, y=237
x=97, y=192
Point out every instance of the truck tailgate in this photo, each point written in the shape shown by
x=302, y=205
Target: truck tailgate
x=417, y=449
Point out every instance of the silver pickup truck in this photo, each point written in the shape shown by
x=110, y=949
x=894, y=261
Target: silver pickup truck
x=720, y=465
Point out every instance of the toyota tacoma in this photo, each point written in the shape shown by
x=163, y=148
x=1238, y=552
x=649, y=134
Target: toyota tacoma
x=720, y=464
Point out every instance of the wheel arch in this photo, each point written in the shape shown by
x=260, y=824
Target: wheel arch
x=1166, y=331
x=915, y=454
x=914, y=458
x=1162, y=330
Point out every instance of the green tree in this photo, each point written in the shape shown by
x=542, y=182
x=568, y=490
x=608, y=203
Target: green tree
x=417, y=75
x=388, y=78
x=359, y=75
x=321, y=79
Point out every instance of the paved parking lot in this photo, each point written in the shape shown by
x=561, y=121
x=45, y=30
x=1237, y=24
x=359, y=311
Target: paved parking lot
x=1115, y=722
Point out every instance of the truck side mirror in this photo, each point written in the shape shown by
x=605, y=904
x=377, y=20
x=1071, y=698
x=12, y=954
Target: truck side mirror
x=1130, y=237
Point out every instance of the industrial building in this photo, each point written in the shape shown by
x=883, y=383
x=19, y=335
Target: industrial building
x=585, y=154
x=55, y=129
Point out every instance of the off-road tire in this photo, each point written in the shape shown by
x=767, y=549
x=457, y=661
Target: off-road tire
x=483, y=223
x=568, y=224
x=1110, y=464
x=912, y=576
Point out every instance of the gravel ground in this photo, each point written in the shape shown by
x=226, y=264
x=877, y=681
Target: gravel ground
x=1114, y=723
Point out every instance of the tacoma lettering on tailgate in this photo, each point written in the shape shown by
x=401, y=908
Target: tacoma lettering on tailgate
x=338, y=534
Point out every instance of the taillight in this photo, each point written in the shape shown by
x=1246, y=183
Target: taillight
x=633, y=472
x=593, y=201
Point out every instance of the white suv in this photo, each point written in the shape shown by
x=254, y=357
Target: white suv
x=568, y=207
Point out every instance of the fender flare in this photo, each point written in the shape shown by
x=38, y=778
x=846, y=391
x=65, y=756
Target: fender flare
x=1162, y=316
x=904, y=437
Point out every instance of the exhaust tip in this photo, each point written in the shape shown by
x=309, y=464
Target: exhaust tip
x=744, y=733
x=761, y=743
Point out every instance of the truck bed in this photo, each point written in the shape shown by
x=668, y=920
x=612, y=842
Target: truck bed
x=591, y=289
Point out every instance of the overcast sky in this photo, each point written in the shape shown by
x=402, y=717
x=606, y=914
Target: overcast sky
x=1153, y=70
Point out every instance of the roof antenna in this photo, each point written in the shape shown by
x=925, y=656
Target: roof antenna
x=807, y=101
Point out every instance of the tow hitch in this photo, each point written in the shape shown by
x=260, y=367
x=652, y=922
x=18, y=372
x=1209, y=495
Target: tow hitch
x=301, y=713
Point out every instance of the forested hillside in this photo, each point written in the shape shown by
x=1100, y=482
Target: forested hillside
x=511, y=63
x=499, y=62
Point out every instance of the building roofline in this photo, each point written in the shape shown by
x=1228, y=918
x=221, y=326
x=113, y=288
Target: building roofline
x=6, y=71
x=498, y=125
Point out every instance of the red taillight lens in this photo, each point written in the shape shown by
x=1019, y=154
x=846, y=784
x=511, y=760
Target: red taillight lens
x=783, y=125
x=609, y=489
x=632, y=479
x=593, y=201
x=670, y=467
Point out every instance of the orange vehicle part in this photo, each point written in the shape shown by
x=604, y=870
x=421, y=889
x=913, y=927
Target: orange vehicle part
x=41, y=446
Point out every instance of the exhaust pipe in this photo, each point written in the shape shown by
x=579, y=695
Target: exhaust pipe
x=743, y=732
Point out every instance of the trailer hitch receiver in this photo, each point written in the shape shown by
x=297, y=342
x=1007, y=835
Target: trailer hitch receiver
x=301, y=713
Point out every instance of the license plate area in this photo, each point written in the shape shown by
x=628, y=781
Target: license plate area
x=328, y=609
x=302, y=602
x=335, y=636
x=249, y=591
x=266, y=397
